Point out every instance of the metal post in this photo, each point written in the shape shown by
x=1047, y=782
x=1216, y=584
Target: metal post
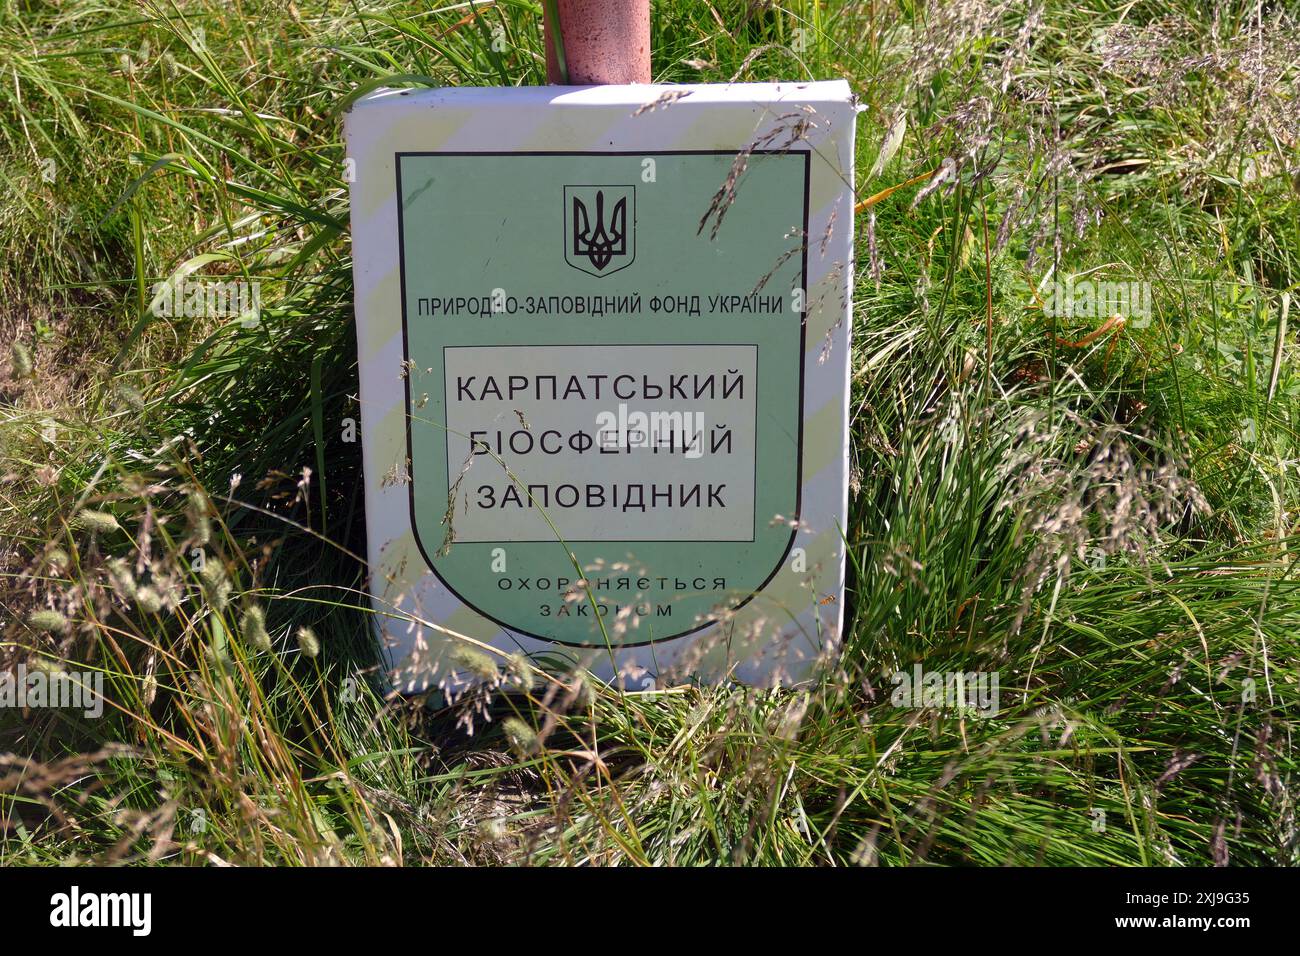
x=604, y=41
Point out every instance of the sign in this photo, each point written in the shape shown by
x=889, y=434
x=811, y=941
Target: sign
x=603, y=343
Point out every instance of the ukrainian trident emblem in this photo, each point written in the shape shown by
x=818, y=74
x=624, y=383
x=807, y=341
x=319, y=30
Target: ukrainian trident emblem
x=600, y=228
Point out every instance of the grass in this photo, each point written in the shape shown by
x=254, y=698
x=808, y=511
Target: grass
x=1104, y=520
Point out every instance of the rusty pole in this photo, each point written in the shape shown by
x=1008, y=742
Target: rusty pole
x=605, y=41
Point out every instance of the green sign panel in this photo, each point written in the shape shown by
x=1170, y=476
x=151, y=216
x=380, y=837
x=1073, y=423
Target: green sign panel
x=603, y=371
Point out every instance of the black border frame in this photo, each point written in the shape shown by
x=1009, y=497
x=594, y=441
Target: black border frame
x=406, y=384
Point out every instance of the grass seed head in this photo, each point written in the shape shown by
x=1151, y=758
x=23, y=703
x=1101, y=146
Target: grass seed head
x=22, y=361
x=51, y=622
x=216, y=585
x=131, y=397
x=97, y=522
x=522, y=670
x=45, y=666
x=308, y=643
x=200, y=520
x=148, y=600
x=523, y=739
x=253, y=625
x=471, y=659
x=119, y=573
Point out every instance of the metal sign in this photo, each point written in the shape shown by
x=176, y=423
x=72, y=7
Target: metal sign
x=603, y=339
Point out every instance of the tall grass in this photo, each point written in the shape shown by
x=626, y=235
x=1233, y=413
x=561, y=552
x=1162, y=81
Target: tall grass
x=1104, y=520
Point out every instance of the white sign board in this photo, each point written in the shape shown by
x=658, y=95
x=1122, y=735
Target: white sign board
x=603, y=344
